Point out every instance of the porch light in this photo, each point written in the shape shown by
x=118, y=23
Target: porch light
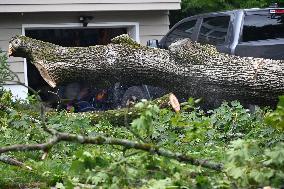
x=85, y=20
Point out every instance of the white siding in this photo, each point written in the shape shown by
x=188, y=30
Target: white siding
x=19, y=92
x=16, y=64
x=17, y=67
x=4, y=45
x=86, y=5
x=7, y=33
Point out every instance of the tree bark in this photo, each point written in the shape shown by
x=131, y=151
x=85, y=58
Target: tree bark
x=187, y=68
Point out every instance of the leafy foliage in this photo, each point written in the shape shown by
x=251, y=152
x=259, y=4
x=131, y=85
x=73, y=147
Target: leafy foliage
x=193, y=7
x=276, y=118
x=5, y=74
x=229, y=134
x=250, y=167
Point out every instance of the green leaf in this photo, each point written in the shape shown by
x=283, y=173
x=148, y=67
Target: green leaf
x=59, y=186
x=257, y=176
x=236, y=172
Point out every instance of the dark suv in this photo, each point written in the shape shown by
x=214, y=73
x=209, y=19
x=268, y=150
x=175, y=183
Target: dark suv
x=247, y=32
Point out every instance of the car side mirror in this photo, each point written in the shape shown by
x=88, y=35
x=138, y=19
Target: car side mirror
x=153, y=43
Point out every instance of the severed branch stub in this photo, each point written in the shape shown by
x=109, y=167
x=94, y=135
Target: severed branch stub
x=174, y=102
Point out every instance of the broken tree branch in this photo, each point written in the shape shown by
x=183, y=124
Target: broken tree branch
x=101, y=140
x=186, y=68
x=117, y=117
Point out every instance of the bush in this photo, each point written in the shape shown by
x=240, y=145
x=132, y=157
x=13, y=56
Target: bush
x=250, y=149
x=5, y=72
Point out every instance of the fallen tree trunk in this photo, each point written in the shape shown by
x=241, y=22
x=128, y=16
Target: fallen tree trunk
x=187, y=68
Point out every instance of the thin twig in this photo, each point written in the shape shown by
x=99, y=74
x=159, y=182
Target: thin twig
x=59, y=100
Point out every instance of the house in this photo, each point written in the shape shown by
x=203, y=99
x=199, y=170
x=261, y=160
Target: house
x=79, y=23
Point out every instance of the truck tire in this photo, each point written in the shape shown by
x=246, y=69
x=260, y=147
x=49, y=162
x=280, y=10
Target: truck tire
x=133, y=94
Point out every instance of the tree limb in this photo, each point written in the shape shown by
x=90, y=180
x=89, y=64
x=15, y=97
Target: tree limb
x=120, y=117
x=101, y=140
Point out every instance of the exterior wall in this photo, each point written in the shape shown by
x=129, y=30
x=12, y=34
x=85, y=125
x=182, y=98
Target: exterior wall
x=152, y=25
x=86, y=5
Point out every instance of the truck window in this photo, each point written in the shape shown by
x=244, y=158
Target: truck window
x=214, y=30
x=262, y=27
x=184, y=30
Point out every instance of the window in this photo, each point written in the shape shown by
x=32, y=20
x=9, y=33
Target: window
x=214, y=30
x=262, y=27
x=184, y=30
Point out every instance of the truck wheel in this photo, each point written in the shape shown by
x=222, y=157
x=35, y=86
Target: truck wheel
x=133, y=94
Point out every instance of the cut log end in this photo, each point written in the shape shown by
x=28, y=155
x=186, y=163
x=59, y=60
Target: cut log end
x=45, y=74
x=174, y=102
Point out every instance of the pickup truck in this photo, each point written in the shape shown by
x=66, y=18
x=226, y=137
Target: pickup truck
x=246, y=32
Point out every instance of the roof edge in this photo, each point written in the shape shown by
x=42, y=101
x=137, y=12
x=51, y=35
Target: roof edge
x=88, y=7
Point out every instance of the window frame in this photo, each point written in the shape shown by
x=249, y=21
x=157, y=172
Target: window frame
x=195, y=28
x=215, y=15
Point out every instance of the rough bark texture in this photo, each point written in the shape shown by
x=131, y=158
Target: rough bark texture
x=186, y=68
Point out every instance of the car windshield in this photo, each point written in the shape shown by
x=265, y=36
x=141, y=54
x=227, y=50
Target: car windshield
x=263, y=26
